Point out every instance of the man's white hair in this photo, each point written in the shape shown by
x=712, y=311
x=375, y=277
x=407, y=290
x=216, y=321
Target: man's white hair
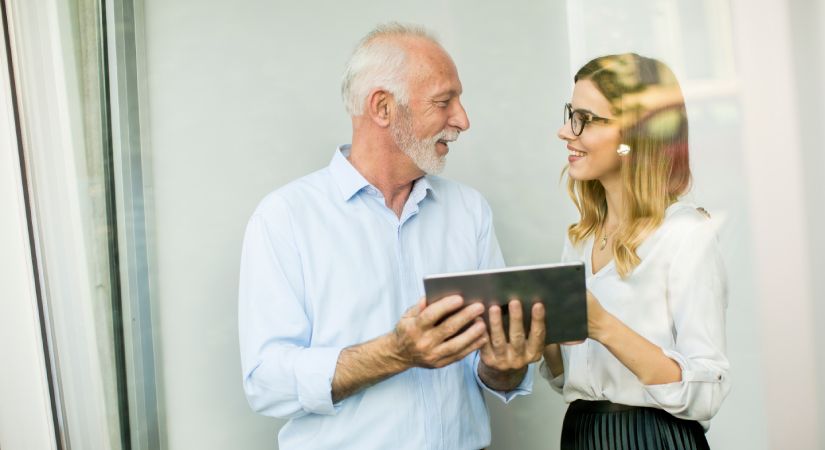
x=379, y=61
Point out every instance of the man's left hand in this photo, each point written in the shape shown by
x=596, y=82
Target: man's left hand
x=504, y=361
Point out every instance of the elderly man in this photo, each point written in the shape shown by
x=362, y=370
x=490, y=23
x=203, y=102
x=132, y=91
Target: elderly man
x=334, y=332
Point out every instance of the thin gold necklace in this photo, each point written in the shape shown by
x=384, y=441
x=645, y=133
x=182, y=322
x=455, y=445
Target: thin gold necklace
x=605, y=237
x=603, y=244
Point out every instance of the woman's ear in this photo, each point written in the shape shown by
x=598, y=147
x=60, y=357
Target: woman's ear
x=379, y=103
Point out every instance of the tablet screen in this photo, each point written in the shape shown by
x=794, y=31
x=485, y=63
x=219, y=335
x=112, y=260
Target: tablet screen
x=561, y=287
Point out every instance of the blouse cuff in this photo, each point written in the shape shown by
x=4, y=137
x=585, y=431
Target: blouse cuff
x=705, y=375
x=693, y=397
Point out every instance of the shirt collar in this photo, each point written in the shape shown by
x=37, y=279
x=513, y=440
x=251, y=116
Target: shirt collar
x=350, y=181
x=421, y=188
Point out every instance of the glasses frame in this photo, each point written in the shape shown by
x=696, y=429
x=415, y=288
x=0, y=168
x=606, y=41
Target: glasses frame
x=586, y=117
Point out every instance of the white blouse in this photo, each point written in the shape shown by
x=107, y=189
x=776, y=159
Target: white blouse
x=676, y=298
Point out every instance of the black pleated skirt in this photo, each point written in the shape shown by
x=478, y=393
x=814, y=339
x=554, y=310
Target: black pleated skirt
x=602, y=425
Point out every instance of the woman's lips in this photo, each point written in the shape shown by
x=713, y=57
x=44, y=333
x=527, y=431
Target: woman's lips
x=575, y=154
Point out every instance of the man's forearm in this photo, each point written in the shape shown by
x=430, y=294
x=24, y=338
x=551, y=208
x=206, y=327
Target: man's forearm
x=501, y=380
x=360, y=366
x=416, y=342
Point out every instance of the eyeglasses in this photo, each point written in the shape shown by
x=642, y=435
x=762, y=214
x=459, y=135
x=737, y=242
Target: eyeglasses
x=580, y=117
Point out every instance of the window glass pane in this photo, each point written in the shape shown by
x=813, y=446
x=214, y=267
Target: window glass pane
x=58, y=60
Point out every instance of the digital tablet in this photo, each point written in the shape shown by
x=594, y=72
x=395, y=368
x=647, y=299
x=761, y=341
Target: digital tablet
x=560, y=287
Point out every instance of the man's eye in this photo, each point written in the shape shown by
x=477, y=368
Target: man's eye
x=442, y=103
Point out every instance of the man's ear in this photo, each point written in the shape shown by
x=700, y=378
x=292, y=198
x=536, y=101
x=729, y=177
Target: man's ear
x=378, y=107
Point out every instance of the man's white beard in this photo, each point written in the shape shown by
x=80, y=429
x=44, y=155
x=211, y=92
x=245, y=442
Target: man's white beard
x=422, y=151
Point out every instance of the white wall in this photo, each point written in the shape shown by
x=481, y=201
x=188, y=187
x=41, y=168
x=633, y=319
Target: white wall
x=809, y=55
x=243, y=97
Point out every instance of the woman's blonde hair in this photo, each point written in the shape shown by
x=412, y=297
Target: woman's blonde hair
x=645, y=97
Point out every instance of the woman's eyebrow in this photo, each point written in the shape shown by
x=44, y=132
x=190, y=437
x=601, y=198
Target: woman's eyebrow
x=585, y=111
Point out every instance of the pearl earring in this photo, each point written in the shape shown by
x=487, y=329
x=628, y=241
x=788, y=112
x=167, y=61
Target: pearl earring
x=623, y=149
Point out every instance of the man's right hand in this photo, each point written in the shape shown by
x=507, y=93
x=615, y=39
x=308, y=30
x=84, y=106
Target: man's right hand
x=419, y=342
x=416, y=342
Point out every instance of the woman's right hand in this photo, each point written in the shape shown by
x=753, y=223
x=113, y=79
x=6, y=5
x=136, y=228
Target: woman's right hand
x=598, y=319
x=552, y=357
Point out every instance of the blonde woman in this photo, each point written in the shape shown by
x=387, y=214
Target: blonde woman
x=653, y=371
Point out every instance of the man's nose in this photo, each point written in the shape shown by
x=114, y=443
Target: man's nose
x=459, y=118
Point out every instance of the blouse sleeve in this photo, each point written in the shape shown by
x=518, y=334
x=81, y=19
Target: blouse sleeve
x=697, y=298
x=568, y=253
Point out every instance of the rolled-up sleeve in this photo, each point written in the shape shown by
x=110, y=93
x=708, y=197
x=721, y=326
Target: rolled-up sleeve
x=697, y=298
x=283, y=375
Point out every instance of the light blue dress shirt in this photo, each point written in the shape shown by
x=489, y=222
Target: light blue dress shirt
x=327, y=265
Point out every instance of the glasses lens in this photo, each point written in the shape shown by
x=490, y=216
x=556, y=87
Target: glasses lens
x=575, y=118
x=576, y=122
